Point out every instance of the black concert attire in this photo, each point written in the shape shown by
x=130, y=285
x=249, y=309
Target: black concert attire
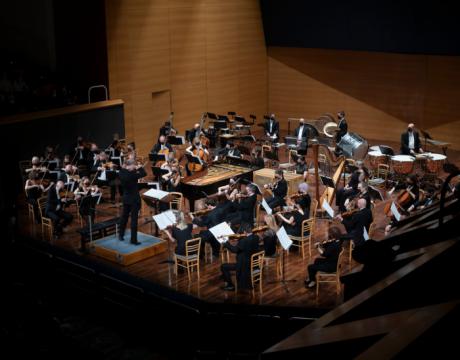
x=328, y=260
x=269, y=240
x=244, y=249
x=192, y=134
x=112, y=179
x=258, y=162
x=54, y=210
x=158, y=146
x=279, y=193
x=213, y=218
x=414, y=190
x=233, y=152
x=32, y=196
x=131, y=200
x=302, y=133
x=355, y=224
x=80, y=156
x=301, y=168
x=296, y=228
x=244, y=211
x=305, y=203
x=406, y=145
x=343, y=129
x=181, y=236
x=343, y=194
x=272, y=127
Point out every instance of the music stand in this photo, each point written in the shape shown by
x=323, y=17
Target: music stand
x=219, y=124
x=154, y=158
x=240, y=119
x=328, y=182
x=159, y=172
x=386, y=150
x=193, y=159
x=222, y=117
x=176, y=140
x=211, y=116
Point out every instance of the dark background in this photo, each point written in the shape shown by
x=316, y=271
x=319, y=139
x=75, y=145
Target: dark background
x=413, y=27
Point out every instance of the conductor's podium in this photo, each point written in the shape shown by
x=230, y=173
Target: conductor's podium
x=125, y=253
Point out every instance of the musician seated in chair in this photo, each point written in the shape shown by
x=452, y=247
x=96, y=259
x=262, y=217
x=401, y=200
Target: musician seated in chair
x=301, y=167
x=180, y=233
x=232, y=150
x=351, y=189
x=243, y=210
x=329, y=255
x=302, y=133
x=55, y=209
x=363, y=193
x=356, y=222
x=410, y=141
x=272, y=127
x=244, y=249
x=162, y=146
x=279, y=189
x=293, y=221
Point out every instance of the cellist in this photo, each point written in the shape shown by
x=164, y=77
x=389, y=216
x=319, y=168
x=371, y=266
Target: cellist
x=196, y=149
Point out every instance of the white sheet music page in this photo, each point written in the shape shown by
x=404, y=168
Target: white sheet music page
x=365, y=234
x=165, y=219
x=283, y=238
x=267, y=208
x=395, y=212
x=220, y=232
x=325, y=205
x=156, y=194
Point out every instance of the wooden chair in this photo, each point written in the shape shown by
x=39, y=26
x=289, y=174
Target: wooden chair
x=323, y=277
x=313, y=208
x=257, y=266
x=191, y=259
x=46, y=223
x=289, y=165
x=305, y=239
x=31, y=213
x=277, y=259
x=381, y=176
x=177, y=201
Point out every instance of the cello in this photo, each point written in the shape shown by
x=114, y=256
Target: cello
x=401, y=201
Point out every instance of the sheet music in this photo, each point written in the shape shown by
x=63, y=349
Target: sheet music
x=267, y=208
x=365, y=234
x=395, y=212
x=156, y=194
x=103, y=176
x=325, y=205
x=182, y=139
x=220, y=230
x=283, y=238
x=165, y=219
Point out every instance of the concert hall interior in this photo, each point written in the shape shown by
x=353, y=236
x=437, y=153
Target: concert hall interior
x=245, y=179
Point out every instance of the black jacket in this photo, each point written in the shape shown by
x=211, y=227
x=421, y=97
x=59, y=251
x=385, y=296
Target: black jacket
x=356, y=223
x=343, y=129
x=192, y=134
x=281, y=189
x=52, y=201
x=246, y=207
x=129, y=180
x=405, y=142
x=305, y=132
x=275, y=128
x=243, y=250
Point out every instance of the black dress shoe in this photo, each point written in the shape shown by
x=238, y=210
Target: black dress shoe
x=135, y=242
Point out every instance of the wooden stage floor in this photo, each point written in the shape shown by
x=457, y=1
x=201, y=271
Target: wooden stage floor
x=209, y=287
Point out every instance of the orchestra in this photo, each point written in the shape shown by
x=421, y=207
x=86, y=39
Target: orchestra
x=236, y=200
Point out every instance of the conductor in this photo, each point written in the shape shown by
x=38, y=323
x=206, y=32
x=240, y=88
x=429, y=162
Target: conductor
x=129, y=176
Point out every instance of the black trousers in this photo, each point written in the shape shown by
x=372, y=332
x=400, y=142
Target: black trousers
x=207, y=237
x=240, y=218
x=320, y=264
x=275, y=201
x=133, y=211
x=57, y=216
x=227, y=270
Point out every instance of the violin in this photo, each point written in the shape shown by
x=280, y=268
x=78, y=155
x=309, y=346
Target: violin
x=201, y=212
x=296, y=196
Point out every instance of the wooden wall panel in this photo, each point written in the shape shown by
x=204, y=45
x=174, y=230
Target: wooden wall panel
x=380, y=92
x=209, y=54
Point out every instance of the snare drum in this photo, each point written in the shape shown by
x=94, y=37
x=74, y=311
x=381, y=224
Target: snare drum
x=434, y=162
x=376, y=158
x=402, y=164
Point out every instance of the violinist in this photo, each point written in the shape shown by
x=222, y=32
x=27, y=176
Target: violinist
x=363, y=193
x=55, y=208
x=180, y=232
x=199, y=151
x=172, y=179
x=50, y=156
x=244, y=249
x=351, y=189
x=106, y=174
x=93, y=152
x=355, y=223
x=230, y=190
x=243, y=210
x=329, y=255
x=279, y=190
x=293, y=222
x=303, y=197
x=214, y=216
x=34, y=190
x=80, y=151
x=37, y=166
x=68, y=176
x=83, y=193
x=269, y=237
